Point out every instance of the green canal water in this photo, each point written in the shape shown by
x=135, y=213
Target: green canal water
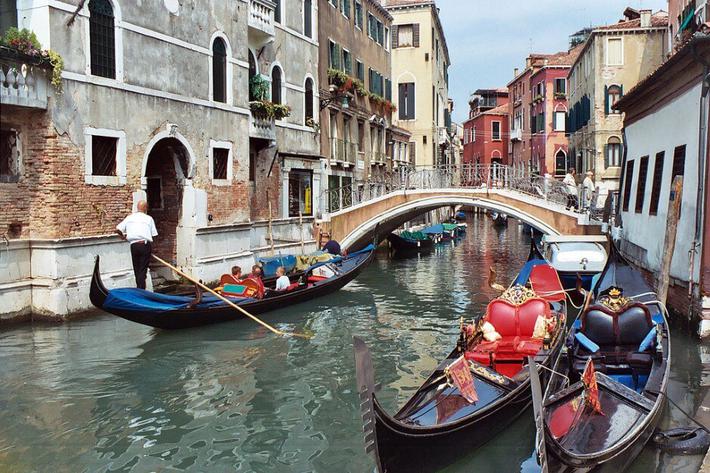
x=107, y=395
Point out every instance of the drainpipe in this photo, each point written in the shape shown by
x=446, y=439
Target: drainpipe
x=624, y=155
x=702, y=158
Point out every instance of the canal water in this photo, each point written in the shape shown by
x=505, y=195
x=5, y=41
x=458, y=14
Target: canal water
x=107, y=395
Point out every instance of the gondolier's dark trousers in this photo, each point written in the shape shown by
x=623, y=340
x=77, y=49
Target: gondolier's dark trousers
x=140, y=254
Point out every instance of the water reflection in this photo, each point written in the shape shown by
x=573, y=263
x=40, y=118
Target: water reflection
x=108, y=395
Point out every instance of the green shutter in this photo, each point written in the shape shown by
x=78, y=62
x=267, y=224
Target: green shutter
x=606, y=100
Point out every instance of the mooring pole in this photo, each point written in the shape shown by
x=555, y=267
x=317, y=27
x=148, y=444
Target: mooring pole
x=674, y=204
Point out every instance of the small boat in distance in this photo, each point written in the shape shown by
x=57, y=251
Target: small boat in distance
x=410, y=242
x=439, y=423
x=606, y=395
x=499, y=219
x=175, y=312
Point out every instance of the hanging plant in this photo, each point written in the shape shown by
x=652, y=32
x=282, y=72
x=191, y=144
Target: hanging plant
x=258, y=88
x=337, y=77
x=359, y=87
x=25, y=42
x=269, y=110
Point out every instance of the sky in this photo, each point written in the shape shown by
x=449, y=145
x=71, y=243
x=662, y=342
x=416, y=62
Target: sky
x=487, y=39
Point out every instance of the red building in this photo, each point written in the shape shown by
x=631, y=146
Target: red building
x=486, y=132
x=548, y=113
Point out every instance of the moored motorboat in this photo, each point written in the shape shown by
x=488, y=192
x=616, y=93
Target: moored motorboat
x=576, y=257
x=606, y=395
x=440, y=422
x=175, y=312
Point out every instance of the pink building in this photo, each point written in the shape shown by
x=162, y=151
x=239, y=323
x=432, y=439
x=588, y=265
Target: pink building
x=486, y=134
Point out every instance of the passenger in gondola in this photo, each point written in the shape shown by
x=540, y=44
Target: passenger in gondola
x=236, y=275
x=331, y=246
x=256, y=275
x=283, y=282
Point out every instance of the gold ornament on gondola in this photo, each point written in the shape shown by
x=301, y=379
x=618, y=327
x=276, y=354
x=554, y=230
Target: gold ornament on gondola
x=517, y=294
x=614, y=299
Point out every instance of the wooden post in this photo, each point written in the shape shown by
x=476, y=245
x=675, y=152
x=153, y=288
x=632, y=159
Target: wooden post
x=300, y=229
x=674, y=203
x=271, y=231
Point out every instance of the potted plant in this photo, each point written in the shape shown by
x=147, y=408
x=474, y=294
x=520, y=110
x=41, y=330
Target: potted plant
x=24, y=42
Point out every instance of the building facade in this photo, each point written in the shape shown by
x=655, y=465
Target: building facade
x=357, y=140
x=156, y=101
x=548, y=113
x=420, y=62
x=659, y=148
x=685, y=17
x=519, y=109
x=613, y=59
x=486, y=132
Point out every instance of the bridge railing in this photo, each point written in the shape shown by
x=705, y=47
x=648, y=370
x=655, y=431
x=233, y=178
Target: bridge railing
x=472, y=176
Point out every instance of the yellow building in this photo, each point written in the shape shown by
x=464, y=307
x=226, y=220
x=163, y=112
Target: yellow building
x=420, y=62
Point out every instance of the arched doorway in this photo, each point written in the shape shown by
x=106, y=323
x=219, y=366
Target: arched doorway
x=165, y=173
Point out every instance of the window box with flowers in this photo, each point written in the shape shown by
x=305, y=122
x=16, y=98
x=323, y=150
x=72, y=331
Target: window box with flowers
x=560, y=95
x=23, y=46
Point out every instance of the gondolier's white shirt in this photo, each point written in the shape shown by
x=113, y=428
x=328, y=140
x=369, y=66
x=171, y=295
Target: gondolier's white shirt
x=137, y=227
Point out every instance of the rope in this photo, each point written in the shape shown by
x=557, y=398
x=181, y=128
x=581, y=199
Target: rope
x=681, y=410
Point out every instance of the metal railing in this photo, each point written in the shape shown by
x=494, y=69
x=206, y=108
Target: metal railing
x=472, y=176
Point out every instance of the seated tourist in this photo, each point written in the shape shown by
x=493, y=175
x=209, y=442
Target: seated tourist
x=256, y=275
x=283, y=282
x=234, y=278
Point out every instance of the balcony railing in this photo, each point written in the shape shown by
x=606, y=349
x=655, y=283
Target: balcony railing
x=261, y=20
x=516, y=134
x=23, y=83
x=261, y=127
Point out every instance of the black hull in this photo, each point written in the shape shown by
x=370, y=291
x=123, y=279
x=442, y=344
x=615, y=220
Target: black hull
x=188, y=318
x=402, y=244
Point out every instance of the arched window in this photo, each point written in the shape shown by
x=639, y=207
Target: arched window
x=219, y=70
x=613, y=152
x=309, y=100
x=102, y=43
x=560, y=163
x=276, y=84
x=613, y=95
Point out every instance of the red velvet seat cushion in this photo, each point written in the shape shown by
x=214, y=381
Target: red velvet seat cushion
x=529, y=347
x=528, y=314
x=501, y=315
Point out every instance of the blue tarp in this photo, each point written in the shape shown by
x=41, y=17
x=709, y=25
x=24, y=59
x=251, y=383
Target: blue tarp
x=141, y=300
x=271, y=264
x=434, y=230
x=524, y=273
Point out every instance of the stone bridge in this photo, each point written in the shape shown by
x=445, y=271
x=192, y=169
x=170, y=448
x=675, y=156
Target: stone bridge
x=365, y=212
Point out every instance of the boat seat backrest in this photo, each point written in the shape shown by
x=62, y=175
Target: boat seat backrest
x=516, y=321
x=546, y=283
x=607, y=328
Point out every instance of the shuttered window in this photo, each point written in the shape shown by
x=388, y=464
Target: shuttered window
x=627, y=184
x=358, y=14
x=656, y=185
x=406, y=104
x=614, y=52
x=641, y=184
x=361, y=71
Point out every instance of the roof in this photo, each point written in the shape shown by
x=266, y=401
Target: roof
x=658, y=20
x=379, y=7
x=499, y=110
x=564, y=58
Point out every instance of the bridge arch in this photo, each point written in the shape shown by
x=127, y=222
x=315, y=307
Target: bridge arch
x=383, y=223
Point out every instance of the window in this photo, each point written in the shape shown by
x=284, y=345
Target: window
x=413, y=152
x=102, y=44
x=276, y=85
x=404, y=36
x=361, y=136
x=277, y=11
x=560, y=119
x=678, y=162
x=103, y=155
x=219, y=71
x=9, y=156
x=641, y=184
x=560, y=163
x=300, y=193
x=406, y=105
x=252, y=166
x=347, y=62
x=560, y=86
x=656, y=185
x=220, y=162
x=358, y=15
x=380, y=33
x=361, y=71
x=308, y=106
x=473, y=134
x=308, y=18
x=614, y=52
x=495, y=131
x=345, y=8
x=334, y=55
x=613, y=94
x=627, y=184
x=388, y=89
x=387, y=39
x=613, y=152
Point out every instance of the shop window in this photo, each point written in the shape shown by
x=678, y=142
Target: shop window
x=641, y=184
x=627, y=184
x=9, y=156
x=102, y=43
x=656, y=185
x=300, y=193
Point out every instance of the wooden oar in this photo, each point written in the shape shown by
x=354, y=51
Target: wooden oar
x=232, y=304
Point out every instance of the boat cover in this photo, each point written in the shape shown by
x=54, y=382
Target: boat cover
x=134, y=299
x=450, y=227
x=416, y=236
x=434, y=230
x=272, y=263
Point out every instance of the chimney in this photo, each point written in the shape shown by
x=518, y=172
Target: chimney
x=528, y=61
x=515, y=72
x=645, y=18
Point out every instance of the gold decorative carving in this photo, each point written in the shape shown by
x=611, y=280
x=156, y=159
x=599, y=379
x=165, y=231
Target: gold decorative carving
x=517, y=294
x=614, y=300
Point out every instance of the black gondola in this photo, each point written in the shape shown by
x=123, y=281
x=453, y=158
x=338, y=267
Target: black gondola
x=625, y=334
x=409, y=245
x=437, y=424
x=499, y=219
x=176, y=312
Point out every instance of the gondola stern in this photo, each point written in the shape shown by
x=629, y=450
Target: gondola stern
x=97, y=291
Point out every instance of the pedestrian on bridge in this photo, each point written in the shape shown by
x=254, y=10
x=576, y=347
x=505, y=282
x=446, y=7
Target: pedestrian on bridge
x=139, y=230
x=571, y=186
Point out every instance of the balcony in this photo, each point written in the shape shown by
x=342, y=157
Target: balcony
x=261, y=21
x=342, y=152
x=261, y=127
x=516, y=134
x=442, y=135
x=23, y=82
x=378, y=159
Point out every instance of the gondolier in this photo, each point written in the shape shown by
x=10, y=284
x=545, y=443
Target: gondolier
x=139, y=229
